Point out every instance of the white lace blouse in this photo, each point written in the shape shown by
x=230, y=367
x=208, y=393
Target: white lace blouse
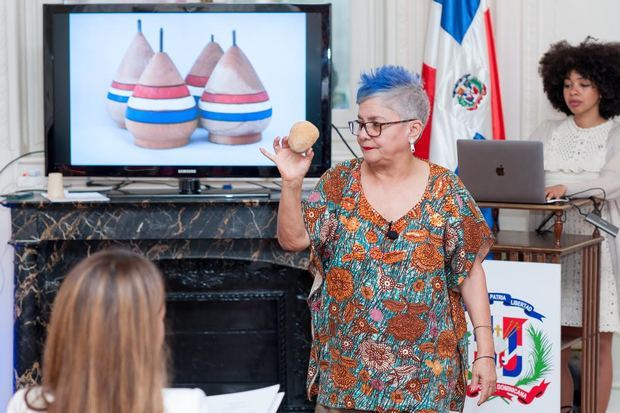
x=575, y=150
x=585, y=160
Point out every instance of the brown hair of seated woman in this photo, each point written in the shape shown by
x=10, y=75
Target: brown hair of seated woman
x=105, y=346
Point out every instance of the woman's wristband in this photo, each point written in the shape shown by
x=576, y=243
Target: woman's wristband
x=484, y=327
x=483, y=357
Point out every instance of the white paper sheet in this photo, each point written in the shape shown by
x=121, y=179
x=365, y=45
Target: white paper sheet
x=276, y=402
x=78, y=197
x=264, y=400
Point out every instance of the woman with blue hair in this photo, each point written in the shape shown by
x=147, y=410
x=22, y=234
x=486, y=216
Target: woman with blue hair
x=396, y=249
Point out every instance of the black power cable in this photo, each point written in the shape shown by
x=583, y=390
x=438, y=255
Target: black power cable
x=344, y=141
x=12, y=161
x=597, y=206
x=588, y=190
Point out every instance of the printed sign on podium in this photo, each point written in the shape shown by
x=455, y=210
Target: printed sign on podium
x=525, y=312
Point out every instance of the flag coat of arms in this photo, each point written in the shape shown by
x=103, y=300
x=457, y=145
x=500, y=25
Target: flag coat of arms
x=460, y=77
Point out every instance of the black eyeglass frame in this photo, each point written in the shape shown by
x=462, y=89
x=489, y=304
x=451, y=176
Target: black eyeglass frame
x=362, y=125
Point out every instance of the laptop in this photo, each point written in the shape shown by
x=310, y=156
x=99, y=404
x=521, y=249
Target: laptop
x=502, y=171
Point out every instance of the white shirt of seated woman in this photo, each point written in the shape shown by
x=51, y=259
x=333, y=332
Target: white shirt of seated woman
x=175, y=401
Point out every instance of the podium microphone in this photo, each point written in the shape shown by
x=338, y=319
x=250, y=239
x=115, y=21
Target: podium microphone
x=391, y=234
x=595, y=219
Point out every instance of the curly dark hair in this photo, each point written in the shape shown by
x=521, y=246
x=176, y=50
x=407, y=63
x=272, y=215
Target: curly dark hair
x=596, y=61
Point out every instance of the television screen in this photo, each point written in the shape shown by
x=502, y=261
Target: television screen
x=185, y=90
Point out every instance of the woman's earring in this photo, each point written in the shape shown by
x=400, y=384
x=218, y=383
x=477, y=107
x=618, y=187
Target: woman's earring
x=412, y=146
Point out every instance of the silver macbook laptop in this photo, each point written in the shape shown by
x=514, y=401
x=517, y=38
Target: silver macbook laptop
x=502, y=171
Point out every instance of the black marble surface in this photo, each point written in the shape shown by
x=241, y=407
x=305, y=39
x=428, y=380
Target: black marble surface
x=213, y=252
x=159, y=218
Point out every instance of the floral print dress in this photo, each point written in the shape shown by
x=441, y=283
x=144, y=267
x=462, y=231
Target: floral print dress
x=388, y=326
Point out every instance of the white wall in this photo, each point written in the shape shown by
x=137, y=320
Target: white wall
x=10, y=147
x=21, y=130
x=6, y=309
x=524, y=30
x=381, y=31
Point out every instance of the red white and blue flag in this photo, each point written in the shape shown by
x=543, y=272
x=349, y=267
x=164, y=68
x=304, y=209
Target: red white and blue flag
x=460, y=78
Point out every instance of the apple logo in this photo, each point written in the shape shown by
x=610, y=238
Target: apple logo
x=500, y=170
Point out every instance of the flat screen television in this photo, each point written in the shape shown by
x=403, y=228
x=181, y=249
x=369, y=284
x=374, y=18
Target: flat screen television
x=182, y=90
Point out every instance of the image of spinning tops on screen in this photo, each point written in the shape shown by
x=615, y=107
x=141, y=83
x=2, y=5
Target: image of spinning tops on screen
x=161, y=112
x=174, y=95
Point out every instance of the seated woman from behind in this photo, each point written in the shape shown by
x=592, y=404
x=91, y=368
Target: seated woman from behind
x=105, y=347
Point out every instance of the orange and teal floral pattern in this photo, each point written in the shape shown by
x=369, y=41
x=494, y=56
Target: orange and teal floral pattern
x=388, y=323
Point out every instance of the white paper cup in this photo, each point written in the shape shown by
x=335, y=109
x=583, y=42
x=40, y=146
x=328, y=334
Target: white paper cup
x=55, y=187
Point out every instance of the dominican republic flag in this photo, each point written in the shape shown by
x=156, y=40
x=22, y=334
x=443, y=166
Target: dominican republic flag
x=460, y=78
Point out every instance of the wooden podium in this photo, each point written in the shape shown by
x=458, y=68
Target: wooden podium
x=532, y=247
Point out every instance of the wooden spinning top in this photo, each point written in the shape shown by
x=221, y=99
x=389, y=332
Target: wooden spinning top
x=235, y=107
x=161, y=113
x=135, y=60
x=202, y=68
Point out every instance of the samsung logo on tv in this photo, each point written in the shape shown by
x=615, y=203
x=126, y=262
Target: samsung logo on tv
x=186, y=171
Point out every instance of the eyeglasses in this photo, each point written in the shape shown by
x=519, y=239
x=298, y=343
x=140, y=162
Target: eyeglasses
x=373, y=129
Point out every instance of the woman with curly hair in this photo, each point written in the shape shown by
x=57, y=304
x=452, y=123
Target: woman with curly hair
x=582, y=158
x=396, y=248
x=105, y=347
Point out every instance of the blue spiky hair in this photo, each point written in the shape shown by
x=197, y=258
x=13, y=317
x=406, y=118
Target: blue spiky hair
x=384, y=79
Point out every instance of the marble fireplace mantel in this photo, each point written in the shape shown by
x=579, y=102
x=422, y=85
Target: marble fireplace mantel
x=221, y=261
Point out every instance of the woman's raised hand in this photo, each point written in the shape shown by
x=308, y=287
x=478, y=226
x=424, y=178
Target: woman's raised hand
x=291, y=165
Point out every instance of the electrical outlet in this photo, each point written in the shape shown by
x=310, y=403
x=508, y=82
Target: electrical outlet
x=30, y=182
x=29, y=173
